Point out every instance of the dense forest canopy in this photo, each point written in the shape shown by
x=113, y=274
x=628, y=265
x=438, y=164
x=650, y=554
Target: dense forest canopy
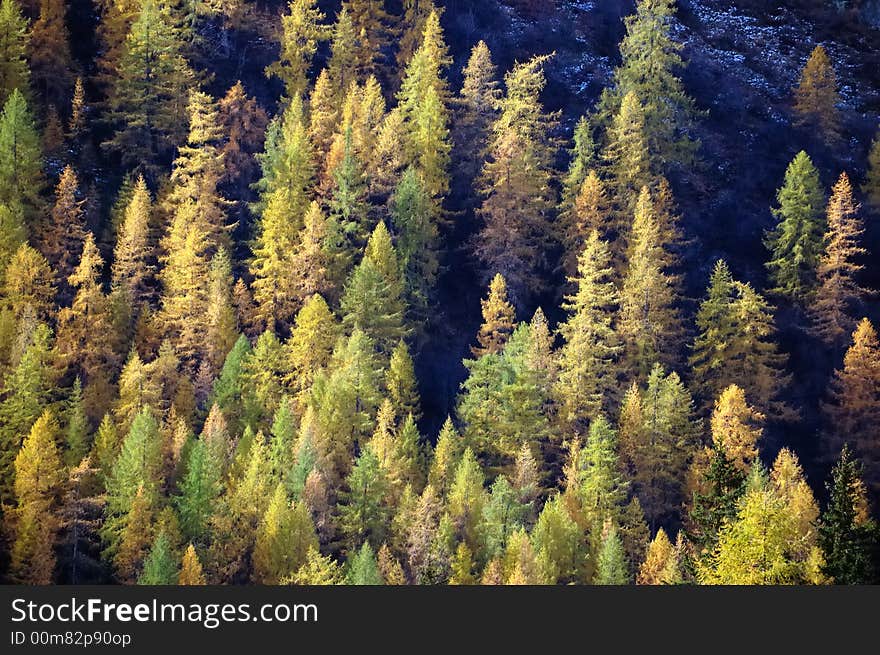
x=530, y=292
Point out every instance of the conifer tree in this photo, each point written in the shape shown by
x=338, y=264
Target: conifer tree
x=147, y=99
x=14, y=43
x=364, y=569
x=611, y=564
x=84, y=327
x=415, y=218
x=21, y=174
x=657, y=437
x=372, y=300
x=586, y=376
x=736, y=345
x=736, y=428
x=401, y=383
x=845, y=533
x=477, y=109
x=318, y=570
x=626, y=155
x=795, y=244
x=137, y=468
x=649, y=322
x=239, y=515
x=132, y=257
x=134, y=539
x=816, y=96
x=584, y=158
x=76, y=432
x=26, y=392
x=466, y=499
x=516, y=183
x=341, y=68
x=28, y=287
x=184, y=277
x=446, y=454
x=191, y=572
x=160, y=566
x=364, y=514
x=498, y=319
x=302, y=29
x=198, y=169
x=853, y=407
x=661, y=565
x=244, y=125
x=871, y=187
x=287, y=161
x=283, y=539
x=651, y=59
x=200, y=489
x=557, y=541
x=311, y=260
x=77, y=122
x=837, y=290
x=311, y=341
x=63, y=234
x=38, y=477
x=371, y=24
x=50, y=59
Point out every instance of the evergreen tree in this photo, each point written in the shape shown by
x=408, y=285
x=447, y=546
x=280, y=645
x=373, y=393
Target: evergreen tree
x=14, y=43
x=76, y=433
x=401, y=383
x=311, y=342
x=137, y=468
x=736, y=428
x=837, y=289
x=466, y=499
x=557, y=541
x=21, y=174
x=611, y=565
x=364, y=569
x=626, y=155
x=845, y=533
x=657, y=437
x=83, y=330
x=372, y=300
x=363, y=513
x=816, y=95
x=586, y=377
x=26, y=392
x=372, y=28
x=423, y=100
x=147, y=99
x=200, y=489
x=341, y=68
x=414, y=216
x=516, y=184
x=715, y=504
x=302, y=30
x=244, y=126
x=160, y=566
x=184, y=278
x=736, y=345
x=650, y=60
x=795, y=244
